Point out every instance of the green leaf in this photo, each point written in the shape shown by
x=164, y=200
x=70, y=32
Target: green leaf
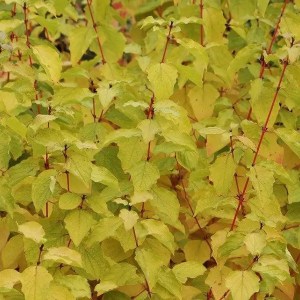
x=50, y=61
x=59, y=292
x=119, y=275
x=162, y=78
x=293, y=237
x=8, y=278
x=40, y=120
x=69, y=201
x=221, y=174
x=67, y=95
x=202, y=100
x=104, y=176
x=166, y=206
x=216, y=280
x=94, y=263
x=150, y=265
x=241, y=10
x=213, y=30
x=242, y=284
x=12, y=252
x=4, y=150
x=63, y=255
x=113, y=43
x=255, y=242
x=43, y=188
x=158, y=230
x=277, y=269
x=78, y=285
x=80, y=40
x=106, y=94
x=105, y=228
x=78, y=223
x=143, y=175
x=262, y=181
x=149, y=129
x=167, y=281
x=291, y=138
x=129, y=218
x=35, y=282
x=32, y=230
x=188, y=269
x=25, y=168
x=80, y=166
x=245, y=55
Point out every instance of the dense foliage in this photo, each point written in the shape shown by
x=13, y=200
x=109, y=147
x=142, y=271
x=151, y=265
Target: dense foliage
x=149, y=149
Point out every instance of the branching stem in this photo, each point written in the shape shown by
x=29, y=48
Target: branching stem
x=263, y=132
x=263, y=64
x=167, y=42
x=89, y=3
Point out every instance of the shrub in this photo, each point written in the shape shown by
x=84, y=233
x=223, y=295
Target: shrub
x=149, y=149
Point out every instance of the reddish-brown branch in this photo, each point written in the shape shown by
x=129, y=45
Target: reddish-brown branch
x=40, y=255
x=167, y=42
x=28, y=44
x=263, y=64
x=139, y=293
x=143, y=210
x=93, y=89
x=47, y=166
x=67, y=172
x=135, y=237
x=263, y=132
x=13, y=10
x=83, y=198
x=27, y=32
x=209, y=294
x=235, y=174
x=150, y=115
x=201, y=6
x=68, y=180
x=89, y=3
x=148, y=288
x=94, y=110
x=291, y=227
x=186, y=198
x=101, y=116
x=225, y=295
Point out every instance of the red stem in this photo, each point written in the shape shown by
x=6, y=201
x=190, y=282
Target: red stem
x=269, y=50
x=201, y=6
x=135, y=237
x=150, y=115
x=40, y=255
x=186, y=198
x=263, y=132
x=67, y=172
x=27, y=34
x=94, y=111
x=68, y=180
x=167, y=42
x=89, y=3
x=235, y=174
x=148, y=288
x=13, y=11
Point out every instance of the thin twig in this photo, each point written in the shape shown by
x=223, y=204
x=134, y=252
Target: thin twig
x=263, y=132
x=186, y=198
x=167, y=42
x=269, y=50
x=89, y=3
